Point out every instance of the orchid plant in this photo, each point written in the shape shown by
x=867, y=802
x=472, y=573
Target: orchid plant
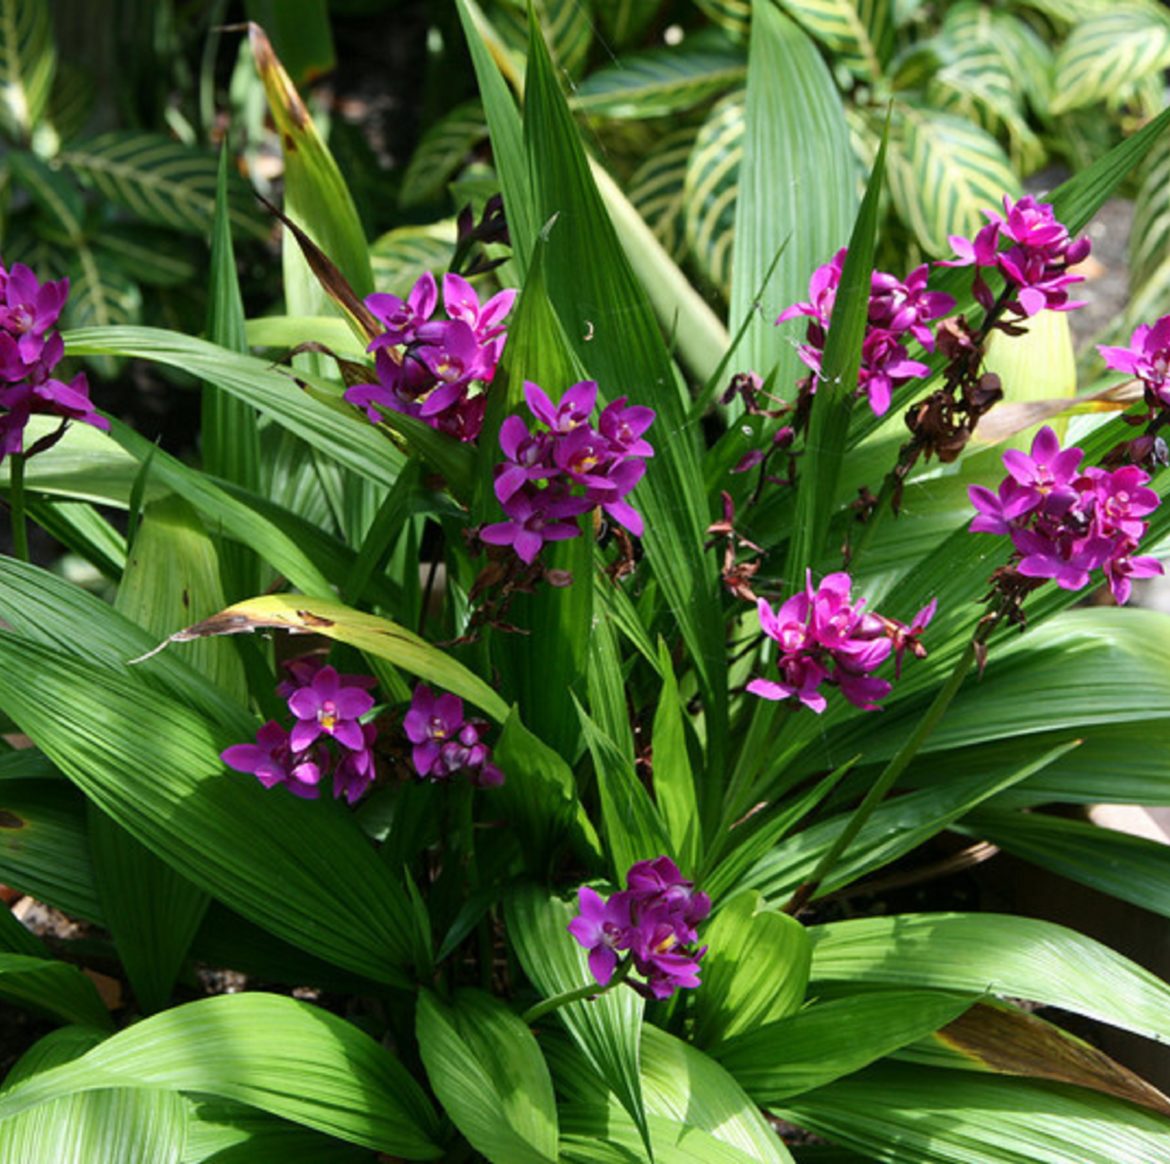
x=530, y=721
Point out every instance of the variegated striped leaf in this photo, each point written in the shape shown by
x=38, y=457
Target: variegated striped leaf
x=567, y=26
x=401, y=255
x=58, y=200
x=100, y=294
x=943, y=173
x=441, y=152
x=711, y=187
x=733, y=16
x=624, y=21
x=665, y=80
x=859, y=32
x=1149, y=240
x=1064, y=13
x=28, y=58
x=152, y=255
x=1115, y=47
x=71, y=101
x=656, y=188
x=157, y=179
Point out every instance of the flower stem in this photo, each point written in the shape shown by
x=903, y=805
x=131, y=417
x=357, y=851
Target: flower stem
x=16, y=502
x=592, y=990
x=889, y=775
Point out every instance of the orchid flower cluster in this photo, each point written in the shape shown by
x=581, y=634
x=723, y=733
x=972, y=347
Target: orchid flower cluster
x=445, y=742
x=29, y=309
x=328, y=707
x=824, y=636
x=566, y=468
x=654, y=919
x=1065, y=522
x=427, y=367
x=1147, y=359
x=1036, y=263
x=897, y=309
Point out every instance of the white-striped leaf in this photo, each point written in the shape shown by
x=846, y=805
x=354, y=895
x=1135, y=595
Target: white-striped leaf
x=566, y=25
x=860, y=33
x=57, y=199
x=623, y=21
x=1116, y=46
x=151, y=255
x=28, y=58
x=656, y=188
x=441, y=152
x=157, y=179
x=1149, y=239
x=71, y=101
x=100, y=295
x=711, y=187
x=944, y=173
x=733, y=16
x=664, y=81
x=401, y=255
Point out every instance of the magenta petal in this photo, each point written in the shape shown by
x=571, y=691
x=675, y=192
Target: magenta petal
x=304, y=732
x=602, y=961
x=349, y=734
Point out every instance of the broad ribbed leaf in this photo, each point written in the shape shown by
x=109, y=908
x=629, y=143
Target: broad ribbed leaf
x=441, y=152
x=608, y=1029
x=122, y=1123
x=1117, y=45
x=51, y=987
x=920, y=1115
x=755, y=970
x=488, y=1072
x=366, y=632
x=1013, y=956
x=674, y=779
x=566, y=25
x=165, y=783
x=1132, y=868
x=28, y=60
x=710, y=189
x=1149, y=239
x=337, y=431
x=831, y=1039
x=44, y=850
x=157, y=179
x=663, y=81
x=944, y=172
x=859, y=33
x=796, y=156
x=277, y=1054
x=590, y=282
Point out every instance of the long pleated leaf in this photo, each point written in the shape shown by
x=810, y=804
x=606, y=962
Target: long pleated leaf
x=796, y=156
x=164, y=782
x=919, y=1115
x=1014, y=956
x=487, y=1069
x=590, y=282
x=274, y=1053
x=28, y=62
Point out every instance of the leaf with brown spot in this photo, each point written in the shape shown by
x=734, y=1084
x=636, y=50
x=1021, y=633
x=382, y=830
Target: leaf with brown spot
x=1001, y=1039
x=366, y=632
x=1005, y=420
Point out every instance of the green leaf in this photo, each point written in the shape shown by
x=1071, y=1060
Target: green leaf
x=830, y=1039
x=920, y=1115
x=116, y=1124
x=100, y=296
x=859, y=33
x=488, y=1072
x=157, y=179
x=165, y=783
x=656, y=188
x=301, y=32
x=401, y=255
x=1110, y=50
x=441, y=152
x=590, y=282
x=367, y=632
x=53, y=988
x=994, y=953
x=663, y=81
x=1132, y=868
x=151, y=255
x=796, y=155
x=58, y=200
x=607, y=1029
x=733, y=16
x=566, y=26
x=1149, y=238
x=944, y=172
x=283, y=1056
x=44, y=850
x=229, y=433
x=755, y=970
x=625, y=20
x=674, y=781
x=710, y=190
x=28, y=60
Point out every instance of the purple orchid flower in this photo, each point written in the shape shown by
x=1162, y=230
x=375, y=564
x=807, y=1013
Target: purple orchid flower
x=273, y=760
x=325, y=707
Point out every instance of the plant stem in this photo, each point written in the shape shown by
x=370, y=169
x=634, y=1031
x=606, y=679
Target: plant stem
x=16, y=503
x=889, y=775
x=592, y=990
